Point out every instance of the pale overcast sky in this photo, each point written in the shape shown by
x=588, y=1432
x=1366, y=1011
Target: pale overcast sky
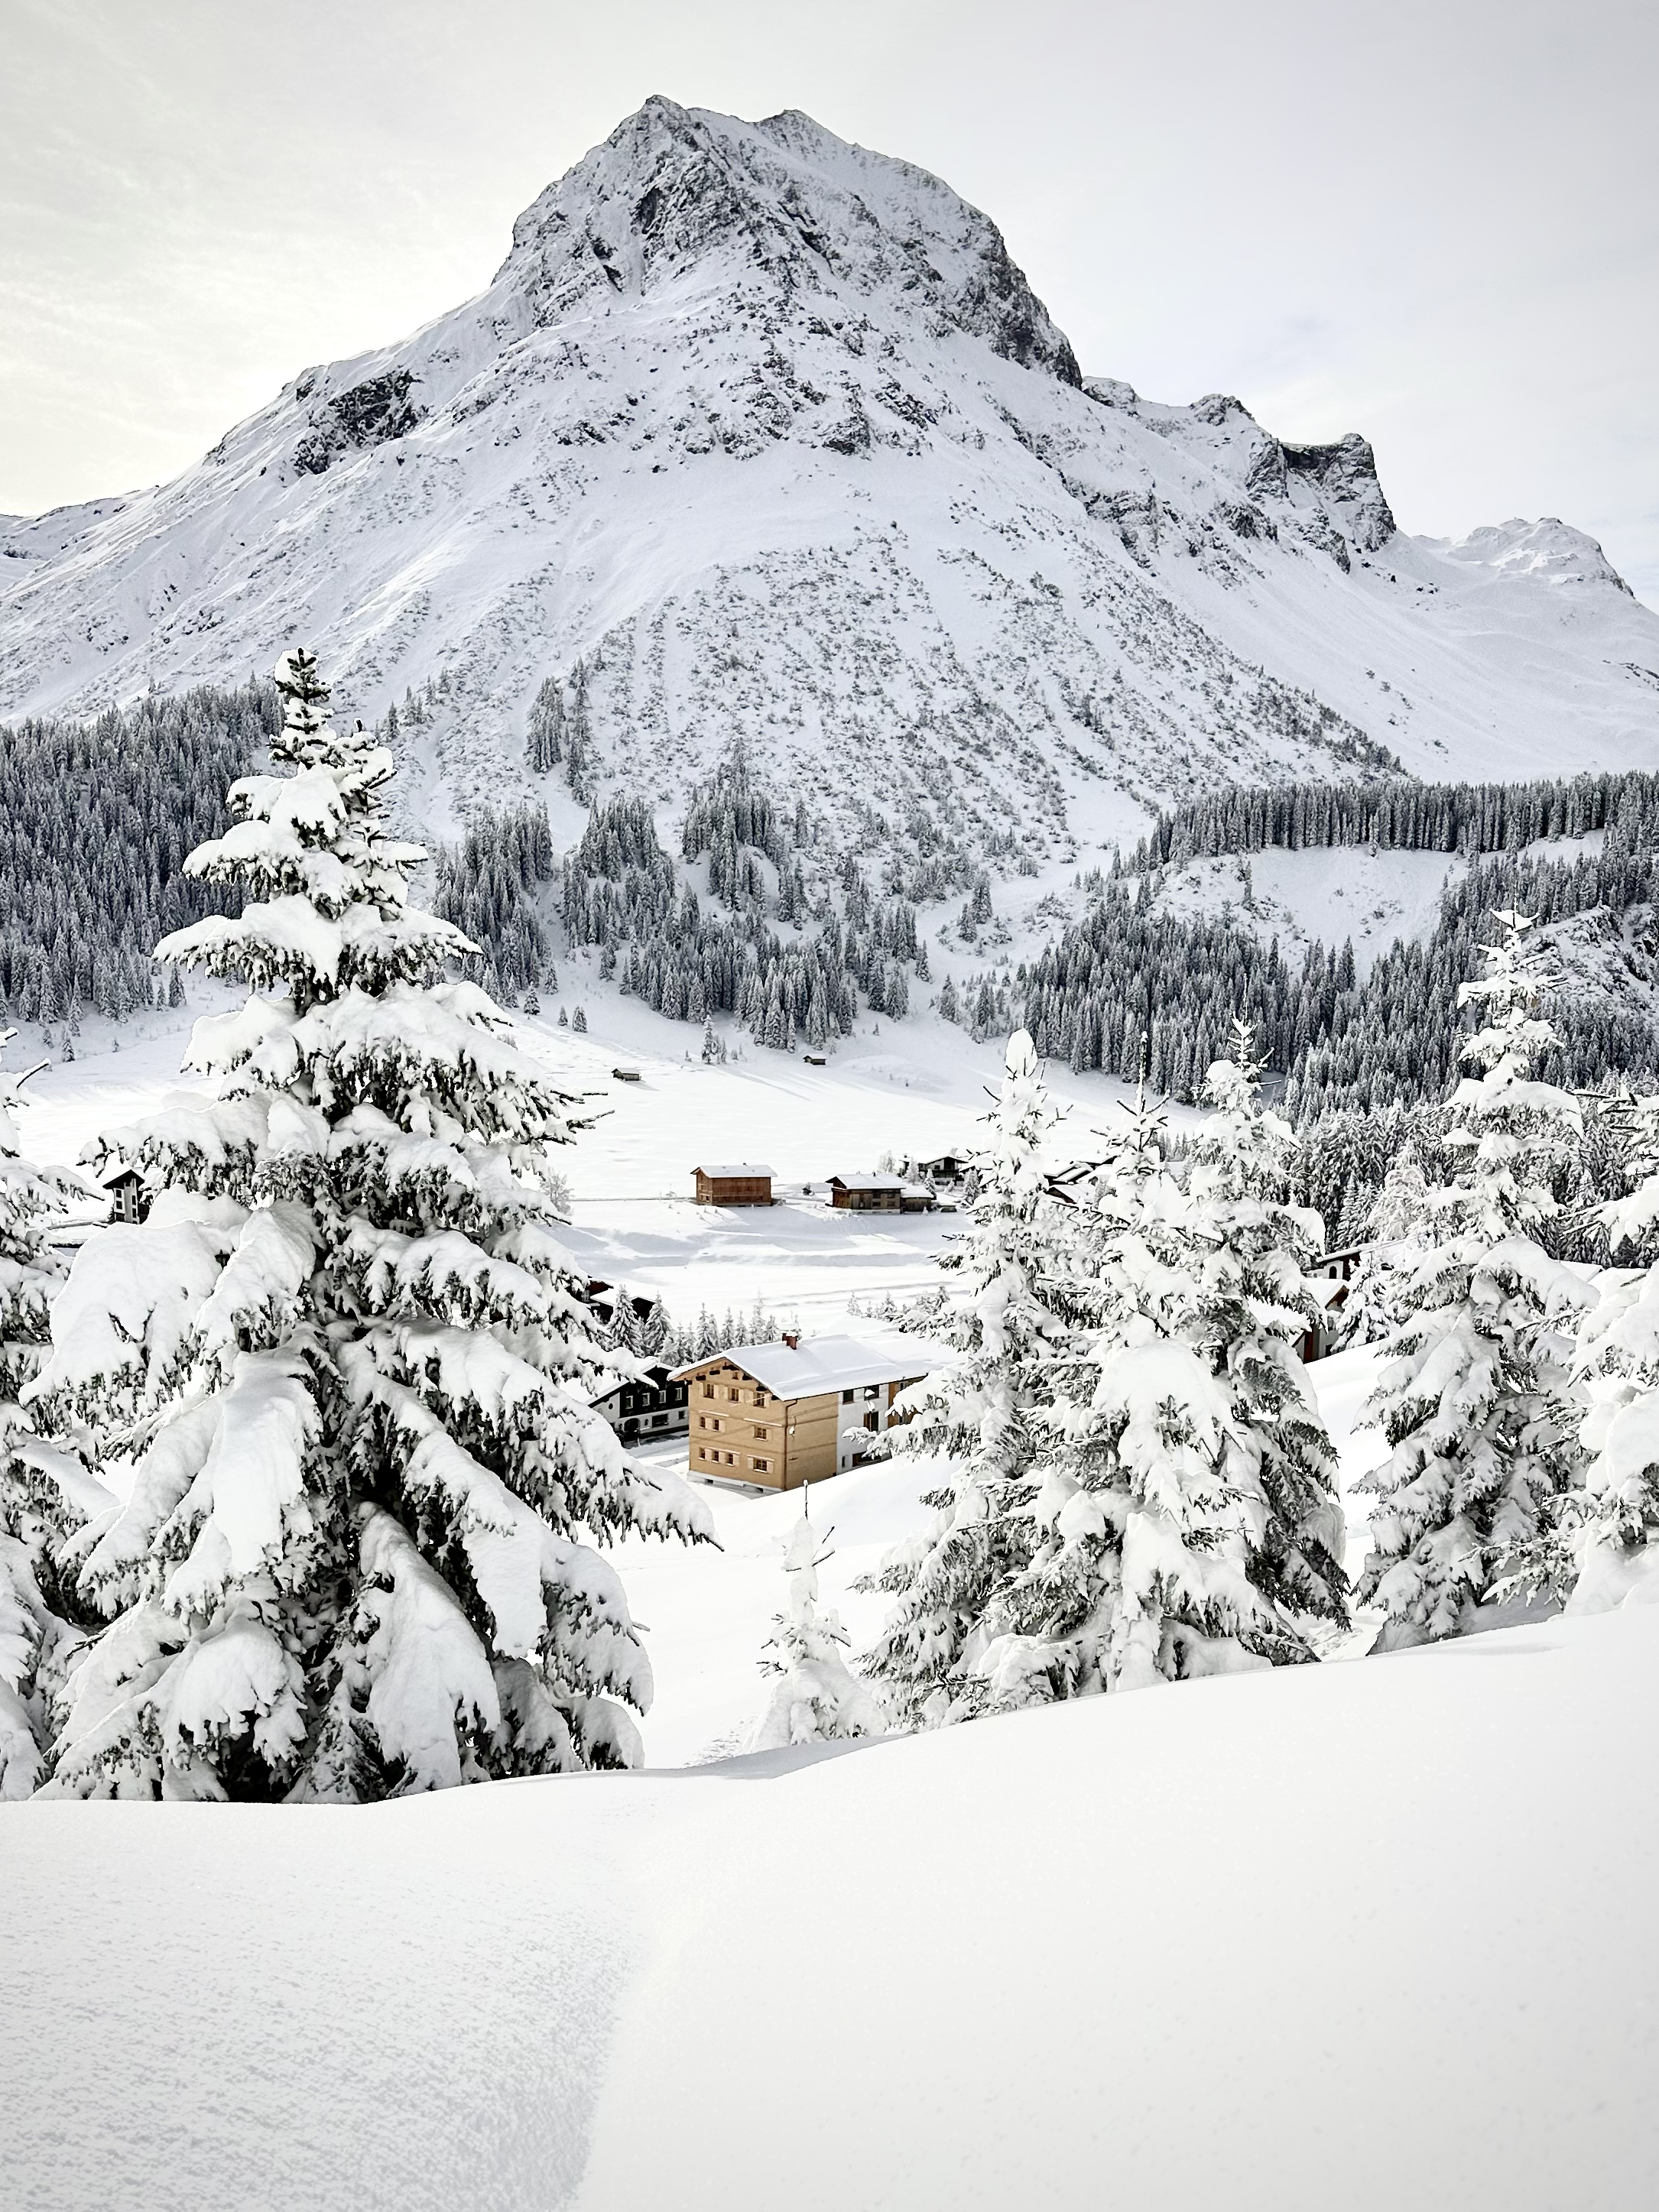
x=1436, y=223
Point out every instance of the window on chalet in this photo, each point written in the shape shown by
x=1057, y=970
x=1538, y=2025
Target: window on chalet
x=846, y=1397
x=763, y=1467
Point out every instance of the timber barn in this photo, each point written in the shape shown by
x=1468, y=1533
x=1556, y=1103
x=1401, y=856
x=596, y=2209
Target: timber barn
x=778, y=1415
x=867, y=1194
x=880, y=1193
x=742, y=1185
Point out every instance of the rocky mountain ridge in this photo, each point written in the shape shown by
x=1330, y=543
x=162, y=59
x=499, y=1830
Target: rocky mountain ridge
x=758, y=435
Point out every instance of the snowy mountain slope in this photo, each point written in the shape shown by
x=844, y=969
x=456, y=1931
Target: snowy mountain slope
x=768, y=435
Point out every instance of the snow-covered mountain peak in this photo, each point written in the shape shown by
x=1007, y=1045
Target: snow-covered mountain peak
x=1549, y=551
x=679, y=194
x=756, y=435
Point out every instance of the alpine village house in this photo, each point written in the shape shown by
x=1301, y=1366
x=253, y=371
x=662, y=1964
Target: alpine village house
x=778, y=1415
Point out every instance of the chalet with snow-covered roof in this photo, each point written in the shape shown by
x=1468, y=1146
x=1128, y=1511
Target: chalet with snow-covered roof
x=880, y=1194
x=1331, y=1275
x=867, y=1194
x=745, y=1183
x=778, y=1415
x=641, y=1408
x=127, y=1200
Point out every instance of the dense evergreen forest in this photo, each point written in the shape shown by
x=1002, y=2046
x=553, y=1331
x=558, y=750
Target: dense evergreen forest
x=1128, y=967
x=98, y=817
x=96, y=820
x=1404, y=816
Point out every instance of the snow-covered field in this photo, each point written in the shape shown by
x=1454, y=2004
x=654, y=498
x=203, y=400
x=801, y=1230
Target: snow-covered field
x=1370, y=1935
x=916, y=1088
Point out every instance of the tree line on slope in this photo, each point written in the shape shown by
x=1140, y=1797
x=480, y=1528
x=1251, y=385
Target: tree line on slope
x=96, y=819
x=1399, y=815
x=1129, y=967
x=624, y=893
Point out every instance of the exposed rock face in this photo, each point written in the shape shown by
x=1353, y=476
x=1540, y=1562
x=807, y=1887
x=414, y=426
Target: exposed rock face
x=366, y=414
x=767, y=436
x=1345, y=475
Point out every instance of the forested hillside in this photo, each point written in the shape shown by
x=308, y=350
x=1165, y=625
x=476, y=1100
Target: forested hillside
x=96, y=821
x=1130, y=967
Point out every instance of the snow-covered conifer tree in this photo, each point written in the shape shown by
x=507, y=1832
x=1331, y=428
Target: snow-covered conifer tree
x=814, y=1694
x=1256, y=1306
x=1187, y=1522
x=46, y=1496
x=625, y=1332
x=977, y=1417
x=353, y=1561
x=1471, y=1395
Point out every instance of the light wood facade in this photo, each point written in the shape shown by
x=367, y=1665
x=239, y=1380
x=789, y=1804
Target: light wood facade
x=741, y=1431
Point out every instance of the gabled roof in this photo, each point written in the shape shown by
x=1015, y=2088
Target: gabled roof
x=750, y=1169
x=821, y=1363
x=868, y=1181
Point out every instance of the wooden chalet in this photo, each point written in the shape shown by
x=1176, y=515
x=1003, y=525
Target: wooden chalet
x=778, y=1415
x=880, y=1194
x=741, y=1185
x=867, y=1194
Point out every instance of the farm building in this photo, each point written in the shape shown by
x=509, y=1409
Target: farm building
x=644, y=1407
x=879, y=1193
x=742, y=1185
x=778, y=1415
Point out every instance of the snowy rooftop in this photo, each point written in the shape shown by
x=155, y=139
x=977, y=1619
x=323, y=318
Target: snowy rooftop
x=869, y=1182
x=750, y=1168
x=828, y=1363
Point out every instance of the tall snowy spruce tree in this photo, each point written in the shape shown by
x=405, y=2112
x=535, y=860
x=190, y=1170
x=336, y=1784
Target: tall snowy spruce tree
x=1187, y=1521
x=977, y=1417
x=814, y=1695
x=45, y=1494
x=353, y=1560
x=1472, y=1395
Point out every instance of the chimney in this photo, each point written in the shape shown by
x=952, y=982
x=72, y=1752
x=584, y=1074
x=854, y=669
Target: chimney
x=791, y=1338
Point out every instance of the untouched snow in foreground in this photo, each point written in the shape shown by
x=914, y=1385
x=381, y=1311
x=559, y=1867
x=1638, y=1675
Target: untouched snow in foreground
x=1368, y=1934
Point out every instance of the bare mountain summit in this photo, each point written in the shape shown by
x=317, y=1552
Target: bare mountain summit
x=758, y=434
